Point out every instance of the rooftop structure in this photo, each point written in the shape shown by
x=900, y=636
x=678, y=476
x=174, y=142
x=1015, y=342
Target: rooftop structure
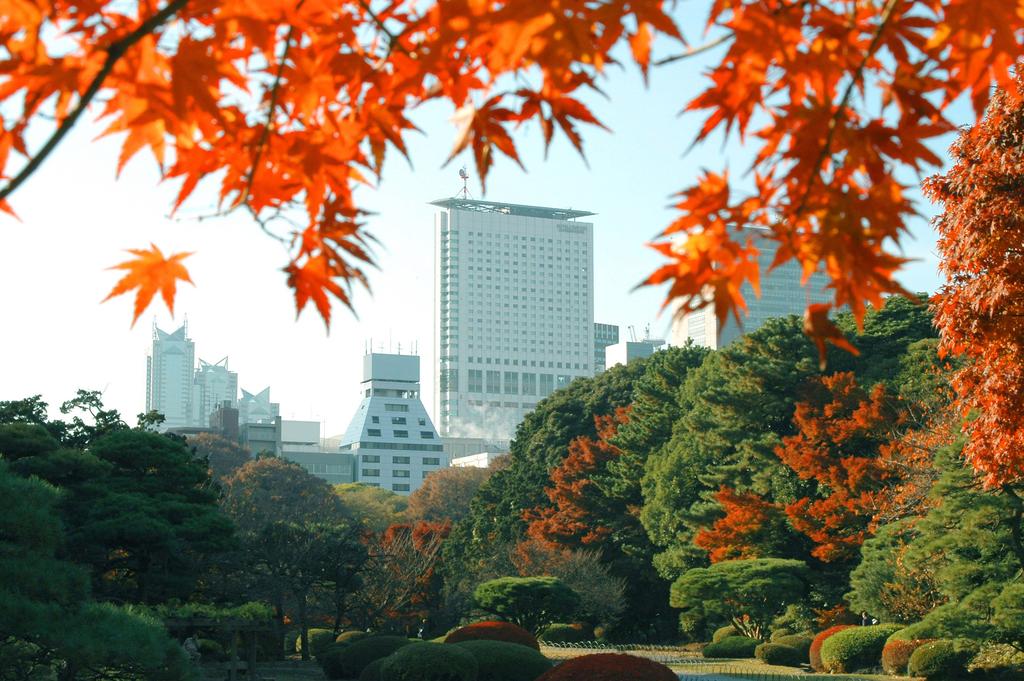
x=169, y=376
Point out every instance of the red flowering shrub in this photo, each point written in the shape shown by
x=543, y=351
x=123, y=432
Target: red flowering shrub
x=609, y=667
x=896, y=655
x=494, y=631
x=815, y=654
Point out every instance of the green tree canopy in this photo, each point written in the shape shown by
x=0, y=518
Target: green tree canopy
x=375, y=508
x=531, y=602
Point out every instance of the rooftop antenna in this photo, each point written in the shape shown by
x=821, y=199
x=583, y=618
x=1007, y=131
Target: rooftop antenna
x=464, y=194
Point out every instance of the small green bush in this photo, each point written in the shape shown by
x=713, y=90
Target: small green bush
x=291, y=641
x=318, y=639
x=501, y=661
x=800, y=642
x=724, y=632
x=779, y=633
x=896, y=654
x=371, y=672
x=430, y=662
x=493, y=631
x=942, y=660
x=351, y=636
x=353, y=658
x=566, y=633
x=732, y=647
x=778, y=654
x=855, y=648
x=814, y=654
x=211, y=650
x=918, y=631
x=331, y=663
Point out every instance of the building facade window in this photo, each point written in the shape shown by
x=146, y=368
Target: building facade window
x=494, y=382
x=402, y=473
x=431, y=461
x=396, y=407
x=370, y=472
x=399, y=459
x=400, y=487
x=427, y=434
x=476, y=381
x=511, y=383
x=370, y=458
x=401, y=433
x=398, y=420
x=373, y=432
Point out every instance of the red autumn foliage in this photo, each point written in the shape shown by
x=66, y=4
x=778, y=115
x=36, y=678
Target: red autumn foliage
x=896, y=655
x=980, y=310
x=744, y=531
x=494, y=631
x=609, y=667
x=815, y=652
x=405, y=560
x=842, y=432
x=574, y=517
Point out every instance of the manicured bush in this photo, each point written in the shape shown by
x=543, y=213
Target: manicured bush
x=943, y=659
x=779, y=633
x=351, y=636
x=291, y=641
x=896, y=655
x=318, y=640
x=920, y=631
x=855, y=648
x=430, y=662
x=353, y=658
x=210, y=649
x=724, y=632
x=501, y=661
x=493, y=631
x=531, y=602
x=732, y=647
x=776, y=653
x=609, y=667
x=801, y=642
x=371, y=672
x=566, y=633
x=814, y=653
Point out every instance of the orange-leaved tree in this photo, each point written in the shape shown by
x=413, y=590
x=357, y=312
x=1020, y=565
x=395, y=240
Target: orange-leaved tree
x=293, y=104
x=980, y=310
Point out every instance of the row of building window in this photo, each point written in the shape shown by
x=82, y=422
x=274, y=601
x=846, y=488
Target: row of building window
x=493, y=382
x=394, y=445
x=375, y=473
x=396, y=420
x=375, y=458
x=424, y=434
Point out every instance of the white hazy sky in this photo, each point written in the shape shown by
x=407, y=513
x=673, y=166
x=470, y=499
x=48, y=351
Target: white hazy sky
x=76, y=219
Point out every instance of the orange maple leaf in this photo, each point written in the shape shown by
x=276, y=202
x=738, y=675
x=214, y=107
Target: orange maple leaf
x=819, y=328
x=150, y=272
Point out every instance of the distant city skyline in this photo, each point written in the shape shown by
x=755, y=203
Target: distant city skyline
x=52, y=262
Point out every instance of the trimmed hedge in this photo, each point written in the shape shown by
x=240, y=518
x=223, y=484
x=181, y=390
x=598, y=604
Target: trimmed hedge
x=210, y=649
x=501, y=661
x=779, y=654
x=493, y=631
x=351, y=636
x=566, y=633
x=371, y=672
x=732, y=647
x=855, y=648
x=801, y=642
x=943, y=659
x=814, y=652
x=896, y=654
x=353, y=658
x=318, y=639
x=430, y=662
x=724, y=632
x=609, y=667
x=779, y=633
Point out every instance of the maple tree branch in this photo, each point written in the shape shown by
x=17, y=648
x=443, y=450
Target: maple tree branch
x=116, y=50
x=844, y=101
x=696, y=50
x=392, y=38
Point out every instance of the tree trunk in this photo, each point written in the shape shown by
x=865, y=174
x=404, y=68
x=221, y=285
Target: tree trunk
x=303, y=630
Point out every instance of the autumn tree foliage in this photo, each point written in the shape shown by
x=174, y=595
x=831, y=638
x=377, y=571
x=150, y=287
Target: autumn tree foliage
x=294, y=105
x=445, y=494
x=980, y=310
x=752, y=527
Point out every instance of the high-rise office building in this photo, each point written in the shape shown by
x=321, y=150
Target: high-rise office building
x=781, y=294
x=214, y=385
x=514, y=311
x=391, y=436
x=604, y=335
x=257, y=407
x=169, y=374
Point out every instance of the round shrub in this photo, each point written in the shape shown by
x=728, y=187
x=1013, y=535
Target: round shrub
x=896, y=655
x=371, y=672
x=291, y=641
x=351, y=636
x=779, y=633
x=493, y=631
x=501, y=661
x=855, y=648
x=566, y=633
x=724, y=632
x=943, y=659
x=609, y=667
x=353, y=658
x=318, y=640
x=778, y=654
x=331, y=664
x=429, y=662
x=814, y=652
x=800, y=642
x=732, y=647
x=210, y=649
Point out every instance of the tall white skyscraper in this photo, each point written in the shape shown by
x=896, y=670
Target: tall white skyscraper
x=781, y=295
x=514, y=311
x=169, y=373
x=214, y=385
